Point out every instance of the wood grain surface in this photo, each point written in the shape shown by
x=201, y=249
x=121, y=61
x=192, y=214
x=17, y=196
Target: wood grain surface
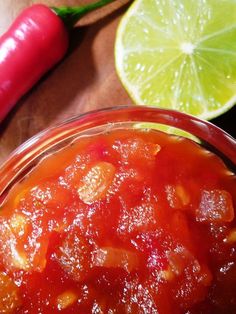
x=83, y=81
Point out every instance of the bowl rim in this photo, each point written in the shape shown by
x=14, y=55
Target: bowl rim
x=40, y=142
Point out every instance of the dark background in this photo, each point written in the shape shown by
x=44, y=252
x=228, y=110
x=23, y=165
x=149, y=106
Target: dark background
x=227, y=121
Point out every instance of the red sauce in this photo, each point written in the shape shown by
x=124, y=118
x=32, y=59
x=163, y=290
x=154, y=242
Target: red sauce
x=124, y=222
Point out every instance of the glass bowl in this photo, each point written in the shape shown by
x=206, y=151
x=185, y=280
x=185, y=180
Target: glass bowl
x=29, y=154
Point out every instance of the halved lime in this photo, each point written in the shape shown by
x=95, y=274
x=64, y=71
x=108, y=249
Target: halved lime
x=179, y=54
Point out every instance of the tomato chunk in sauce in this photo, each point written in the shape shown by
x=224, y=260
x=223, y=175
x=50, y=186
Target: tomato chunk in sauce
x=129, y=221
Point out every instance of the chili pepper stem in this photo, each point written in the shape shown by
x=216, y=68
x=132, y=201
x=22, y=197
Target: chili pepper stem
x=70, y=15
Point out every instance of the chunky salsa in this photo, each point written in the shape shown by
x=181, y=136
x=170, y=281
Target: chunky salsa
x=129, y=221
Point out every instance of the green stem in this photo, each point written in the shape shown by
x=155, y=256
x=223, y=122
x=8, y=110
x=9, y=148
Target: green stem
x=70, y=15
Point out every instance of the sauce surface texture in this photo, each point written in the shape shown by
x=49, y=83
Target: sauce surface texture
x=124, y=222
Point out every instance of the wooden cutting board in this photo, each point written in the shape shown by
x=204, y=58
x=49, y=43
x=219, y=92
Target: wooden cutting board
x=83, y=81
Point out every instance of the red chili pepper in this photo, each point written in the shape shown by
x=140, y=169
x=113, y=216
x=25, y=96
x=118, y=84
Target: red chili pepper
x=34, y=43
